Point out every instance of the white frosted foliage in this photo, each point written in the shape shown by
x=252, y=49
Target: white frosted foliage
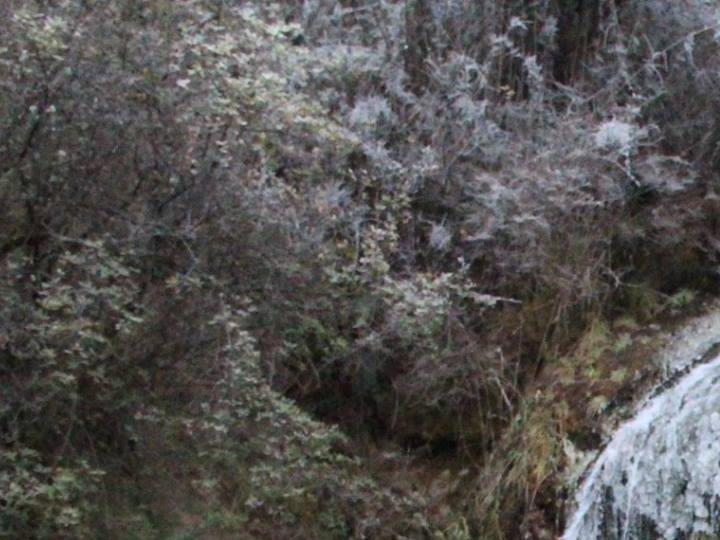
x=616, y=134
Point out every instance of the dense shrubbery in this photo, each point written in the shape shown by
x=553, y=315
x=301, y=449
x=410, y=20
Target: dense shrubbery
x=137, y=224
x=232, y=231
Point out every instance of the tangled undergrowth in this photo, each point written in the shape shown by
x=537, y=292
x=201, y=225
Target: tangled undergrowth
x=332, y=269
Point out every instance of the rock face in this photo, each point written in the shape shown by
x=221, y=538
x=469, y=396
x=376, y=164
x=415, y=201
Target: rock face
x=659, y=476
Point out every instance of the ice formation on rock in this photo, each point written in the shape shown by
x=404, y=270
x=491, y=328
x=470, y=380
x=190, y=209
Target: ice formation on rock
x=659, y=477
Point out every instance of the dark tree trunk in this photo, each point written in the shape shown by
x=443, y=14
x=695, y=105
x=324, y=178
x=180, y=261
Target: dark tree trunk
x=578, y=23
x=418, y=42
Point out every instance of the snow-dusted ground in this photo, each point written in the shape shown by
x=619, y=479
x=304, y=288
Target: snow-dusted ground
x=659, y=476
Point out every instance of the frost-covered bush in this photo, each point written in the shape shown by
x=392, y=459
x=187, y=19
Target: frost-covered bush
x=149, y=151
x=222, y=218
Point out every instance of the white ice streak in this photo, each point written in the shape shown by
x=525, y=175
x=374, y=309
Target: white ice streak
x=660, y=468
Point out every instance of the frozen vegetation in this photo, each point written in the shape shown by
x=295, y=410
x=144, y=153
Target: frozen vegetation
x=354, y=269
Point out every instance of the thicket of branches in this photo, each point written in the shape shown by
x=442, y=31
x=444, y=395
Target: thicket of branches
x=257, y=257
